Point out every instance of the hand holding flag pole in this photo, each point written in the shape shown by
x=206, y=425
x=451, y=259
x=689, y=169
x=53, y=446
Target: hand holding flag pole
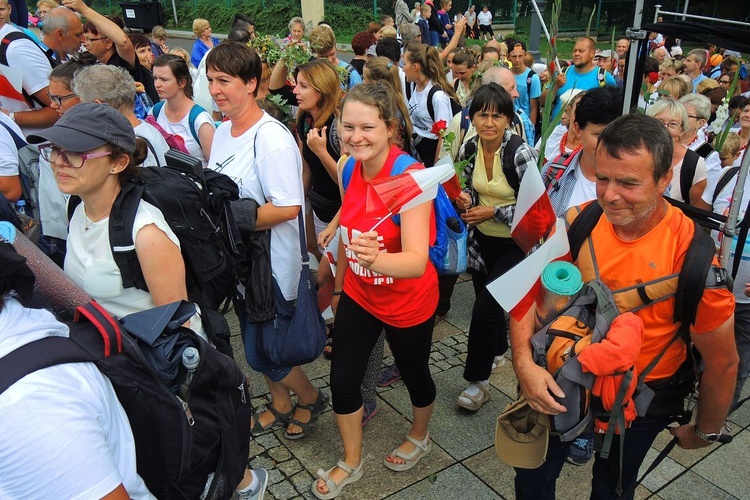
x=401, y=192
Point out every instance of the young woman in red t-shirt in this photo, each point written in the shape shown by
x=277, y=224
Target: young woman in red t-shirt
x=384, y=281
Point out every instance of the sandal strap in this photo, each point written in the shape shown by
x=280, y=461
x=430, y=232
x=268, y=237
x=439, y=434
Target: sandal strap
x=421, y=445
x=479, y=398
x=344, y=467
x=283, y=417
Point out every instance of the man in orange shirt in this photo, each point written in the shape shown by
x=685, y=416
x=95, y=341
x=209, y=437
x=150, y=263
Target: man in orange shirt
x=640, y=238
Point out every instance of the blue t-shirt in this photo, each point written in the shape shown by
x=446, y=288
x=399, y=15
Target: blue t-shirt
x=522, y=84
x=354, y=77
x=585, y=81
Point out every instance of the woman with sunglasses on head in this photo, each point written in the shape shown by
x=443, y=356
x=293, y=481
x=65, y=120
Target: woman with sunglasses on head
x=179, y=114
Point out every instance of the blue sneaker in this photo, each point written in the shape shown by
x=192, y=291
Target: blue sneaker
x=581, y=451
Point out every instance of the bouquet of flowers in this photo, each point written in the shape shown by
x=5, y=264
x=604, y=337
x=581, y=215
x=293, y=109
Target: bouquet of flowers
x=268, y=50
x=293, y=55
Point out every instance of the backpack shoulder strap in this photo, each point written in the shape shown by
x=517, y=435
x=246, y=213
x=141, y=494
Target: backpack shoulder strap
x=601, y=76
x=464, y=124
x=156, y=109
x=693, y=276
x=121, y=222
x=52, y=351
x=430, y=95
x=347, y=171
x=349, y=69
x=400, y=164
x=582, y=226
x=196, y=110
x=725, y=178
x=704, y=150
x=509, y=161
x=687, y=172
x=19, y=141
x=556, y=170
x=409, y=90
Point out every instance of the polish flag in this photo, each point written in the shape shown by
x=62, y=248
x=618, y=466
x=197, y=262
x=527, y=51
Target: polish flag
x=517, y=289
x=452, y=186
x=534, y=216
x=11, y=81
x=393, y=195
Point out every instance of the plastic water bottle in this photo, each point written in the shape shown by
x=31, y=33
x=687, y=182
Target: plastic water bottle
x=21, y=207
x=190, y=360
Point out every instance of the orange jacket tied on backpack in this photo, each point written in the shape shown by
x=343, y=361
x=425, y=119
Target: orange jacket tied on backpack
x=609, y=360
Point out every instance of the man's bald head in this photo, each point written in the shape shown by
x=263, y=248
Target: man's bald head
x=503, y=77
x=59, y=18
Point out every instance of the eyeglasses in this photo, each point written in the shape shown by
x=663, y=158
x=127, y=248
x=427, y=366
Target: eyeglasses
x=89, y=40
x=58, y=99
x=72, y=159
x=672, y=125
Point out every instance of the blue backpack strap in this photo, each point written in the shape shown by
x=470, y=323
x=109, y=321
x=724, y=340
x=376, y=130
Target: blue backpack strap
x=347, y=171
x=196, y=110
x=18, y=140
x=400, y=164
x=156, y=109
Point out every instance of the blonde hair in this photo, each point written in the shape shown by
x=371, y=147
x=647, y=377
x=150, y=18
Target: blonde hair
x=731, y=145
x=388, y=31
x=675, y=87
x=158, y=33
x=199, y=26
x=322, y=39
x=381, y=69
x=706, y=84
x=179, y=51
x=324, y=78
x=49, y=3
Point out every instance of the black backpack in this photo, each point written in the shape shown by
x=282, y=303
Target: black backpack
x=469, y=152
x=455, y=105
x=195, y=203
x=178, y=443
x=687, y=172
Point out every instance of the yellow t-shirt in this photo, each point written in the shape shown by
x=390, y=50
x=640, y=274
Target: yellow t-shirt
x=495, y=192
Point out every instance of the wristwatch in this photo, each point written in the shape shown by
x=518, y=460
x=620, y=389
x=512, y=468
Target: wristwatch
x=710, y=437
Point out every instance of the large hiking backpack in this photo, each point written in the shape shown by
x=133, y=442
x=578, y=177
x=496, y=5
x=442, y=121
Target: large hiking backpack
x=195, y=203
x=448, y=252
x=178, y=443
x=592, y=312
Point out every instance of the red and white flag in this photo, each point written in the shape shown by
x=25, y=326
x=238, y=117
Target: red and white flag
x=517, y=289
x=393, y=195
x=11, y=81
x=534, y=216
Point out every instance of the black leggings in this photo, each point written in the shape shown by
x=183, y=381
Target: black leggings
x=356, y=333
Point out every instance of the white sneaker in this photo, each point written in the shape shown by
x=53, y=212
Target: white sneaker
x=260, y=489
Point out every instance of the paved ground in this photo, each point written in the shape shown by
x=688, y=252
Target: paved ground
x=463, y=463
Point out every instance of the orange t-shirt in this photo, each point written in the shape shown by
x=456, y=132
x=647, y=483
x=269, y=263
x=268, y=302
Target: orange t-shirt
x=659, y=253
